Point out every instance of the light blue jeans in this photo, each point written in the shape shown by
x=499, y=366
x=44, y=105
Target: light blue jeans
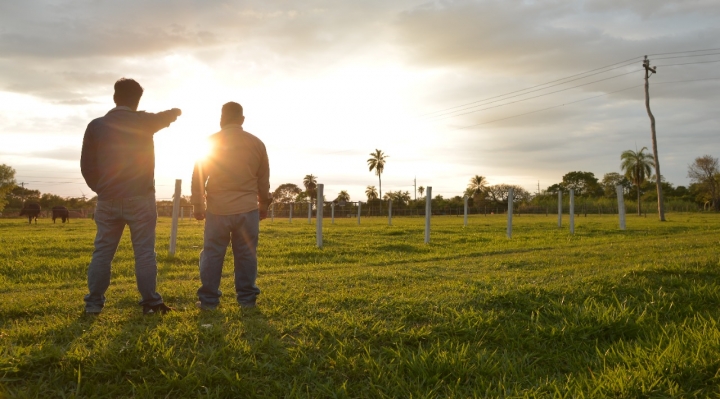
x=140, y=213
x=242, y=230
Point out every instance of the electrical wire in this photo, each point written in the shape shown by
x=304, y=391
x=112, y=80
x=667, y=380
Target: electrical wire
x=682, y=52
x=616, y=65
x=688, y=63
x=542, y=95
x=546, y=83
x=581, y=100
x=685, y=56
x=532, y=91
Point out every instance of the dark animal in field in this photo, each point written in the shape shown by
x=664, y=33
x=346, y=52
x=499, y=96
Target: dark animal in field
x=60, y=212
x=31, y=210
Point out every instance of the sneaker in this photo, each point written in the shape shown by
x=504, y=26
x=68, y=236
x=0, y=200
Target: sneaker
x=92, y=312
x=247, y=305
x=203, y=306
x=159, y=308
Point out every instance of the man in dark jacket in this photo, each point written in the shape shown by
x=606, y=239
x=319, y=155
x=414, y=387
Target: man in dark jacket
x=235, y=177
x=118, y=163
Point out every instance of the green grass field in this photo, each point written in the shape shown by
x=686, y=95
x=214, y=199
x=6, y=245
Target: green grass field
x=377, y=313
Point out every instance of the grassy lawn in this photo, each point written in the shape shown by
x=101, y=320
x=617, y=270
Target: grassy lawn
x=377, y=313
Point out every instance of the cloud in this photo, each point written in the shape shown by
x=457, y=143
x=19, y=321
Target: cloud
x=539, y=38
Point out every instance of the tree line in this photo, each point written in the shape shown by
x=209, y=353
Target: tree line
x=637, y=182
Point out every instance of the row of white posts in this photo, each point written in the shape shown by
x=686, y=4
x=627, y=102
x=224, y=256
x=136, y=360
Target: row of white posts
x=428, y=213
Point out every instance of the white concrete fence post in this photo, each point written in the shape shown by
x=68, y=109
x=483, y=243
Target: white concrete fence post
x=319, y=216
x=272, y=212
x=572, y=211
x=428, y=212
x=621, y=206
x=389, y=212
x=332, y=213
x=359, y=211
x=175, y=211
x=466, y=202
x=292, y=205
x=559, y=208
x=310, y=210
x=511, y=198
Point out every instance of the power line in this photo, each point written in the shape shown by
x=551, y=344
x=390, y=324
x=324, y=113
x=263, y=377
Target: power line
x=542, y=95
x=689, y=63
x=53, y=182
x=546, y=83
x=682, y=52
x=686, y=56
x=615, y=65
x=581, y=100
x=49, y=177
x=532, y=91
x=454, y=114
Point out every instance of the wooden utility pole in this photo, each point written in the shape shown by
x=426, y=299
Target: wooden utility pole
x=661, y=205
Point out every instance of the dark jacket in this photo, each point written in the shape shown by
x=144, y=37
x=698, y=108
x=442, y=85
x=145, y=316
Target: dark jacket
x=118, y=153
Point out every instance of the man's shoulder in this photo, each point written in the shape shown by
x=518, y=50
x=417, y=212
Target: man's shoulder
x=96, y=122
x=254, y=138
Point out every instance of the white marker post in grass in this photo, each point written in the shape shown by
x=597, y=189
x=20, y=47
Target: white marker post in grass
x=559, y=208
x=621, y=206
x=511, y=198
x=319, y=216
x=310, y=211
x=292, y=205
x=332, y=212
x=389, y=212
x=175, y=211
x=466, y=200
x=272, y=212
x=428, y=212
x=359, y=211
x=572, y=211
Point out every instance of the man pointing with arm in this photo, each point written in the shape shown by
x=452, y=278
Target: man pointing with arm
x=235, y=179
x=118, y=163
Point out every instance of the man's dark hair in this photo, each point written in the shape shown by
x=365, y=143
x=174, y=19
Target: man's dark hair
x=127, y=92
x=232, y=112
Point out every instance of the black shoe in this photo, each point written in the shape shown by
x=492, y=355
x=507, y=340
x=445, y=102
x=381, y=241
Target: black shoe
x=159, y=308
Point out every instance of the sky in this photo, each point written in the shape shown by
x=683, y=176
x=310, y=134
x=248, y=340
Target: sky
x=521, y=92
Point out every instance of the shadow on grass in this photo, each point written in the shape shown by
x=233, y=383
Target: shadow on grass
x=592, y=327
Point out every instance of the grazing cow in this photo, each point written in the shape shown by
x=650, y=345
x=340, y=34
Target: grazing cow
x=31, y=210
x=60, y=212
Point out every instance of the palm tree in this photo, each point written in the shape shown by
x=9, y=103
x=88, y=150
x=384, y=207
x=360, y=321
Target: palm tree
x=477, y=185
x=377, y=162
x=310, y=183
x=421, y=189
x=637, y=167
x=343, y=196
x=476, y=189
x=371, y=193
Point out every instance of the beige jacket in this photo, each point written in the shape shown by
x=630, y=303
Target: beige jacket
x=235, y=177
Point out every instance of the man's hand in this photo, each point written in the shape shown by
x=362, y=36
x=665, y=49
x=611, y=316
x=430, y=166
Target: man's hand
x=263, y=214
x=199, y=215
x=177, y=111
